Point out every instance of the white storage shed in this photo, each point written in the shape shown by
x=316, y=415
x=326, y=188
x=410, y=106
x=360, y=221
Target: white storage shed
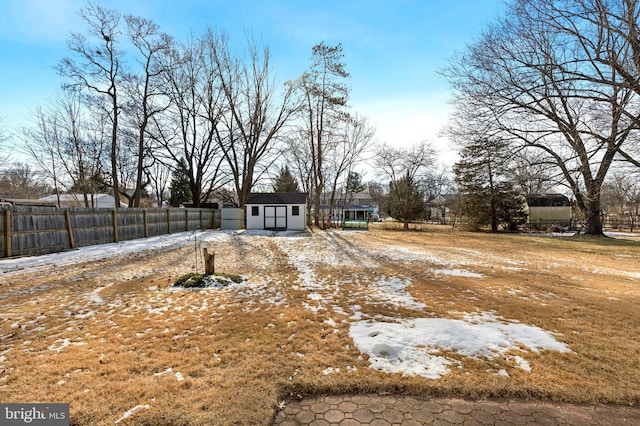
x=277, y=211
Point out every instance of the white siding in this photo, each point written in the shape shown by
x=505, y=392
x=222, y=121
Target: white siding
x=293, y=223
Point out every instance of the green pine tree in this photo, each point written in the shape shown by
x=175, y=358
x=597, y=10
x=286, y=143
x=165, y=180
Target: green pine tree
x=405, y=201
x=179, y=187
x=354, y=183
x=285, y=182
x=487, y=197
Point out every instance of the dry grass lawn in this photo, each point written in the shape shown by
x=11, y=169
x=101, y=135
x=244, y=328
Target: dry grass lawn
x=109, y=336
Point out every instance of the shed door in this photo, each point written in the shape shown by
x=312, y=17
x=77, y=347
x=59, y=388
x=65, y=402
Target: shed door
x=275, y=217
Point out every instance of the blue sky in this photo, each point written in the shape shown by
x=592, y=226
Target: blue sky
x=392, y=48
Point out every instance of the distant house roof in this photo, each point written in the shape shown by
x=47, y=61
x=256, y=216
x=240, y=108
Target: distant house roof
x=277, y=198
x=547, y=200
x=77, y=200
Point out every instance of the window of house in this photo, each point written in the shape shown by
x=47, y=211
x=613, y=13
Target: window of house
x=255, y=211
x=295, y=210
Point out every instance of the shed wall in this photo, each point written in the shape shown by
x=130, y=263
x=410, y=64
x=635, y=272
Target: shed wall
x=560, y=214
x=294, y=223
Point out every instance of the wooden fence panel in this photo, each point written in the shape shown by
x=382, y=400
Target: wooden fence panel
x=91, y=226
x=39, y=230
x=157, y=222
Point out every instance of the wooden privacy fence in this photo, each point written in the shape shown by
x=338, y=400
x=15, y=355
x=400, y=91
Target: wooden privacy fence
x=28, y=230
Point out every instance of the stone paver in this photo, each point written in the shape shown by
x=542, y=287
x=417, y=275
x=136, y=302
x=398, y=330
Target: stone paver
x=351, y=410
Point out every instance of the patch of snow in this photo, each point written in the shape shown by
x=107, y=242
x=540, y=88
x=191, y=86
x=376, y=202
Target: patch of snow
x=63, y=344
x=503, y=373
x=457, y=273
x=104, y=251
x=522, y=363
x=132, y=411
x=392, y=290
x=179, y=377
x=408, y=345
x=330, y=322
x=314, y=296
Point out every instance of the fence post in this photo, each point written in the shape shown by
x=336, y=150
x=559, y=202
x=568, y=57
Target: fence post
x=67, y=219
x=144, y=220
x=186, y=219
x=168, y=221
x=114, y=215
x=7, y=232
x=201, y=225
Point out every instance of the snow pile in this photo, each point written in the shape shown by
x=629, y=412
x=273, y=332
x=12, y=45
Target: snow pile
x=105, y=251
x=392, y=291
x=457, y=273
x=409, y=346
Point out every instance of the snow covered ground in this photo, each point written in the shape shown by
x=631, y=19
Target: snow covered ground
x=412, y=346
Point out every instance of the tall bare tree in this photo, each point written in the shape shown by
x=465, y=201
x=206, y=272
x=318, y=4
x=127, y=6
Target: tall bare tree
x=97, y=68
x=186, y=132
x=144, y=94
x=257, y=112
x=546, y=77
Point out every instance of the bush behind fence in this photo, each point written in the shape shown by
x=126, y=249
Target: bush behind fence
x=26, y=230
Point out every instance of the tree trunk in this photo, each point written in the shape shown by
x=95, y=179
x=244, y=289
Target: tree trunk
x=209, y=262
x=114, y=159
x=592, y=216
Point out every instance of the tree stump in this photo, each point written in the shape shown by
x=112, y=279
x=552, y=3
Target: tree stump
x=209, y=262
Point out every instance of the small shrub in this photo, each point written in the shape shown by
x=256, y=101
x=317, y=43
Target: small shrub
x=194, y=280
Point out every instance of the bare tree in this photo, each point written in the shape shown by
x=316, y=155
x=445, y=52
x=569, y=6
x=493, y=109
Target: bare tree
x=537, y=80
x=97, y=67
x=21, y=181
x=186, y=131
x=414, y=162
x=353, y=142
x=256, y=113
x=621, y=198
x=145, y=95
x=299, y=157
x=4, y=149
x=532, y=172
x=158, y=176
x=66, y=146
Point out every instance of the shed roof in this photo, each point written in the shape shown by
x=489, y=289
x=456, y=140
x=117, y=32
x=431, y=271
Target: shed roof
x=277, y=198
x=547, y=200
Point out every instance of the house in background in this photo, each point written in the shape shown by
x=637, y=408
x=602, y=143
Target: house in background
x=350, y=206
x=440, y=209
x=77, y=200
x=548, y=209
x=277, y=211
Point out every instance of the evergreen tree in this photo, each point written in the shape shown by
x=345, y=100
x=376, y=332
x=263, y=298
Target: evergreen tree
x=486, y=196
x=179, y=186
x=285, y=182
x=354, y=183
x=405, y=201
